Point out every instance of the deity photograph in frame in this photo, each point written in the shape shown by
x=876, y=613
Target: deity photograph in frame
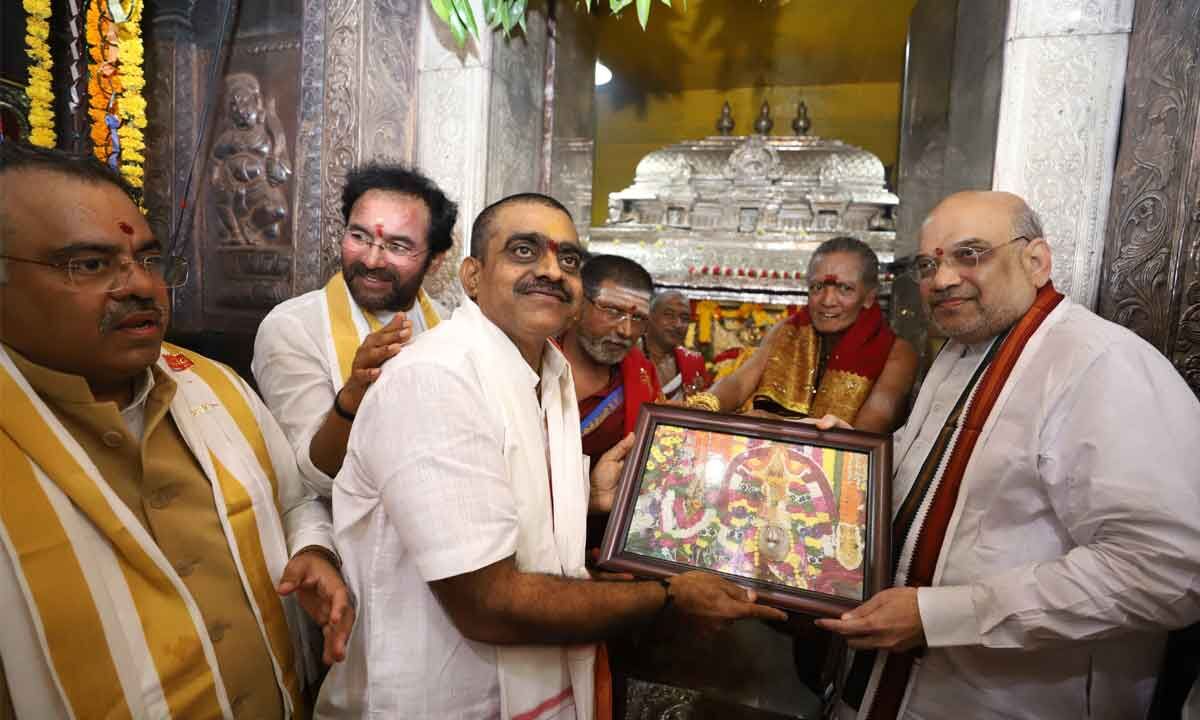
x=800, y=515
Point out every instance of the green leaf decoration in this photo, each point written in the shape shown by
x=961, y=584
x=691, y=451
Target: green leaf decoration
x=643, y=11
x=467, y=15
x=442, y=8
x=457, y=29
x=505, y=15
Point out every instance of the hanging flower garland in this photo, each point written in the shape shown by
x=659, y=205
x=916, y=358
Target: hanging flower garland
x=103, y=81
x=133, y=102
x=116, y=80
x=41, y=97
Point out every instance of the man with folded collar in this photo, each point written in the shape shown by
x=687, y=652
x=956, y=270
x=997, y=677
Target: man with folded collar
x=1045, y=531
x=460, y=507
x=151, y=510
x=835, y=356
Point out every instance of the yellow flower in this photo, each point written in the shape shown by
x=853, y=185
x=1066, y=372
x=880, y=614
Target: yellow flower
x=38, y=90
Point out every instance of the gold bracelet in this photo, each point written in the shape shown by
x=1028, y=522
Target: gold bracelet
x=704, y=401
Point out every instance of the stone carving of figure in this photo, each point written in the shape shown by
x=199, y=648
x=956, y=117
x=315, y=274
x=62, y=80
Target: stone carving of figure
x=250, y=167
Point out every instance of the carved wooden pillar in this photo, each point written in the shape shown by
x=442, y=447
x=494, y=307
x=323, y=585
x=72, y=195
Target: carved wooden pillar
x=1151, y=266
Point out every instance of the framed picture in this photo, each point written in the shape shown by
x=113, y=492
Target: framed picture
x=800, y=515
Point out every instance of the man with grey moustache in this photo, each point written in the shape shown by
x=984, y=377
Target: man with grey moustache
x=613, y=377
x=151, y=510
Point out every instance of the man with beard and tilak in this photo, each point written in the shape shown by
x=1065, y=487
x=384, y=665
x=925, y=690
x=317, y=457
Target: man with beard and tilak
x=315, y=355
x=151, y=510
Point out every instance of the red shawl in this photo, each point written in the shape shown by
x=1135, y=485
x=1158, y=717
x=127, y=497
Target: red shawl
x=790, y=379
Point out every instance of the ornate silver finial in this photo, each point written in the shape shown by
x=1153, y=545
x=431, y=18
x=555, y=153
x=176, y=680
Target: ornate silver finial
x=725, y=122
x=800, y=123
x=764, y=123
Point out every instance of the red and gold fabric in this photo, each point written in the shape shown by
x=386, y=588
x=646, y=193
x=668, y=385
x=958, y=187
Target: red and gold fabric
x=618, y=403
x=692, y=368
x=790, y=384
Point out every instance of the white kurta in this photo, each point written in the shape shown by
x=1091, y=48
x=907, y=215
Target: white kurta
x=295, y=369
x=446, y=473
x=1075, y=541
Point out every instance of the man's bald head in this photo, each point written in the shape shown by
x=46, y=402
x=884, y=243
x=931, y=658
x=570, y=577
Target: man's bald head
x=992, y=206
x=990, y=257
x=665, y=296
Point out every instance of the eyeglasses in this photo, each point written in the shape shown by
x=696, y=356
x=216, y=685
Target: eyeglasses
x=924, y=267
x=617, y=316
x=110, y=274
x=396, y=249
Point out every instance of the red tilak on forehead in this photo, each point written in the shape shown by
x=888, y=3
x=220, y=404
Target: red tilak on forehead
x=938, y=252
x=829, y=279
x=125, y=227
x=553, y=245
x=379, y=230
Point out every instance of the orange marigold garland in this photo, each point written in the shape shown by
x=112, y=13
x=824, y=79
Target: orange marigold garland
x=103, y=80
x=116, y=80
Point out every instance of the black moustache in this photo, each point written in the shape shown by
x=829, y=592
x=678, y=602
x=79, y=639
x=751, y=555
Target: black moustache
x=117, y=313
x=548, y=288
x=377, y=274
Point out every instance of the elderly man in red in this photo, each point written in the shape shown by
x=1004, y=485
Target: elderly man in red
x=680, y=370
x=836, y=356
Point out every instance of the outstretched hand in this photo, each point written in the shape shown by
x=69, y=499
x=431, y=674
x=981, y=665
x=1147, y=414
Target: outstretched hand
x=322, y=593
x=891, y=620
x=606, y=475
x=715, y=601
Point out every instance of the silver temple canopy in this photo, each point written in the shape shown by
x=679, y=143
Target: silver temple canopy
x=737, y=218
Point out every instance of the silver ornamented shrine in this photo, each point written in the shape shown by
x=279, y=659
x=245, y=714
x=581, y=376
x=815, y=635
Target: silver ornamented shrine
x=736, y=218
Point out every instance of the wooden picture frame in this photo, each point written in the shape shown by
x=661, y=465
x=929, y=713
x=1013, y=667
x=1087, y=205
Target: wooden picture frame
x=801, y=516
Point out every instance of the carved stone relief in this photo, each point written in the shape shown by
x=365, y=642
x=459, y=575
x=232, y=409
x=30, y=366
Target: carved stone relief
x=251, y=168
x=1060, y=109
x=340, y=145
x=246, y=187
x=1151, y=280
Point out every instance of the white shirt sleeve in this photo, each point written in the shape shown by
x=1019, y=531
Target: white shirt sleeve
x=1116, y=461
x=295, y=383
x=436, y=457
x=306, y=518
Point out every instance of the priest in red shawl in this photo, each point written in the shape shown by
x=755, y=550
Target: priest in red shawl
x=680, y=370
x=612, y=376
x=835, y=356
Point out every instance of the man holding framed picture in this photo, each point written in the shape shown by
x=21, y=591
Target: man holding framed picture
x=1045, y=530
x=461, y=504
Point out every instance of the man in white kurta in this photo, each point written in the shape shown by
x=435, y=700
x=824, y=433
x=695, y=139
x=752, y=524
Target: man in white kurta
x=460, y=509
x=1074, y=543
x=315, y=355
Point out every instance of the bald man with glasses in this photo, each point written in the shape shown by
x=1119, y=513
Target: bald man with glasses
x=1045, y=506
x=151, y=510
